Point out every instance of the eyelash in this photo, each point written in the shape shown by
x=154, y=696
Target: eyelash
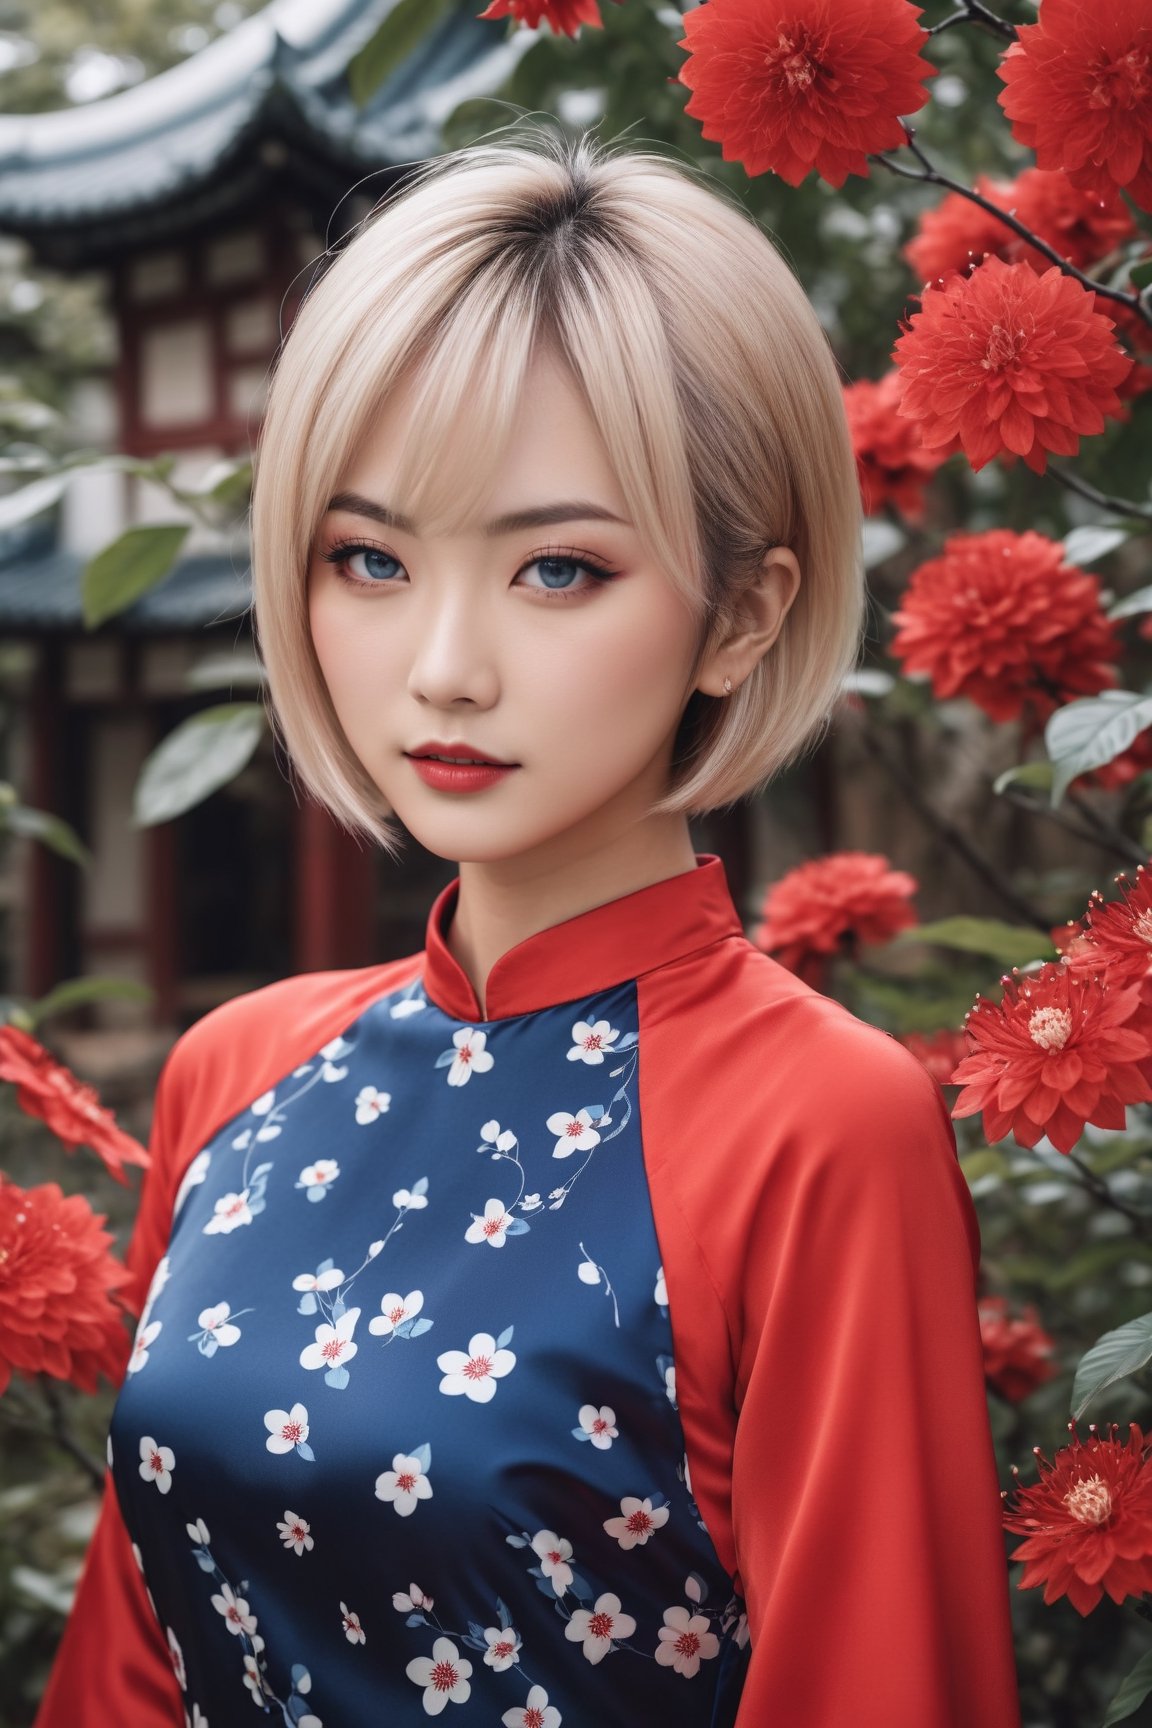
x=338, y=555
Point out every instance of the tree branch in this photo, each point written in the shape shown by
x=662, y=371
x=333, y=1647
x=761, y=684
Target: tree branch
x=975, y=13
x=932, y=175
x=1096, y=1186
x=1121, y=506
x=1092, y=835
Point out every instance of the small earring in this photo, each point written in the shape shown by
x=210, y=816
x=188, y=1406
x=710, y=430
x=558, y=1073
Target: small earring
x=727, y=686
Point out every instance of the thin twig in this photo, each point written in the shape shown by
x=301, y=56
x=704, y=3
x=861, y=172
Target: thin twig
x=932, y=175
x=956, y=838
x=1121, y=506
x=1092, y=835
x=63, y=1435
x=1122, y=843
x=974, y=13
x=1099, y=1188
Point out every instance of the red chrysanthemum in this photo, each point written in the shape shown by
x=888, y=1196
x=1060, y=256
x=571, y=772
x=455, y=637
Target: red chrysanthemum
x=999, y=617
x=564, y=16
x=1008, y=360
x=1061, y=1049
x=1087, y=1521
x=892, y=464
x=797, y=85
x=59, y=1311
x=1115, y=935
x=957, y=234
x=1018, y=1353
x=1079, y=93
x=938, y=1051
x=47, y=1089
x=829, y=905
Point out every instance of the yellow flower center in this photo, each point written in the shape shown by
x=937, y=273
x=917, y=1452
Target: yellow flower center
x=1050, y=1027
x=1090, y=1501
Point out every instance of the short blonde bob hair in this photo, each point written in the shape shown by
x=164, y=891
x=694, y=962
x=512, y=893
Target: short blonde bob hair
x=705, y=370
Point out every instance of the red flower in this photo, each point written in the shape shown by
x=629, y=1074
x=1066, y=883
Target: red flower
x=45, y=1088
x=1088, y=1520
x=1018, y=1354
x=796, y=85
x=957, y=233
x=1115, y=935
x=938, y=1051
x=1008, y=360
x=997, y=616
x=831, y=903
x=58, y=1311
x=562, y=15
x=1061, y=1049
x=1079, y=93
x=891, y=462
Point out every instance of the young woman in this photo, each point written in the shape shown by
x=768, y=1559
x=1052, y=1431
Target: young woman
x=573, y=1322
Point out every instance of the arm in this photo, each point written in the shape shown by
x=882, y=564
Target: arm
x=112, y=1667
x=865, y=1501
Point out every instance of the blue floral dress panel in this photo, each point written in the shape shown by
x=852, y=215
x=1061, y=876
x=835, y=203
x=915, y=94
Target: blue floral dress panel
x=399, y=1434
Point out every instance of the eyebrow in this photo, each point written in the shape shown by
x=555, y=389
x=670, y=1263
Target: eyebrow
x=540, y=516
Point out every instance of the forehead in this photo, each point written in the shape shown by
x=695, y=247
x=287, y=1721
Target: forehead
x=452, y=459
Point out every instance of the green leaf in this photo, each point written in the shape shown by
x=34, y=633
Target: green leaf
x=128, y=568
x=92, y=989
x=203, y=753
x=1141, y=276
x=1091, y=731
x=1010, y=944
x=1025, y=774
x=391, y=44
x=50, y=830
x=1134, y=1688
x=1113, y=1357
x=1140, y=600
x=1085, y=545
x=29, y=501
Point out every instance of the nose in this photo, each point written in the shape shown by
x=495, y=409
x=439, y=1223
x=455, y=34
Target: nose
x=451, y=658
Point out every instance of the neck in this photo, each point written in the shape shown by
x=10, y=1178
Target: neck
x=504, y=902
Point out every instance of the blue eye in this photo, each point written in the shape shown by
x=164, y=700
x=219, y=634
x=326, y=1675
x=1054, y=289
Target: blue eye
x=556, y=571
x=343, y=559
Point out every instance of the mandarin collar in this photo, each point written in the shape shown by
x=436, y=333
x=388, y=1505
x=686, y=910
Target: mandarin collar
x=593, y=951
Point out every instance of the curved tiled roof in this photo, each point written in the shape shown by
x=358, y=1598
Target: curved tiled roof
x=84, y=181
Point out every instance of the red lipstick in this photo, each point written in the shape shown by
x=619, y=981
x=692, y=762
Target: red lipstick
x=457, y=767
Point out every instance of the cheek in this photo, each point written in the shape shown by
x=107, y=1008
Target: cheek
x=348, y=652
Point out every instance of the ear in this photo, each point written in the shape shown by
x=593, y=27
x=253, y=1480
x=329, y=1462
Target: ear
x=763, y=605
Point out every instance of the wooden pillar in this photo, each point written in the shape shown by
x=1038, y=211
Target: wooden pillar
x=335, y=877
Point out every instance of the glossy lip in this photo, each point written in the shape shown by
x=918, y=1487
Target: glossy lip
x=433, y=746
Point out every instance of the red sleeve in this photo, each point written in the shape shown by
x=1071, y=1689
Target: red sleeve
x=112, y=1668
x=820, y=1247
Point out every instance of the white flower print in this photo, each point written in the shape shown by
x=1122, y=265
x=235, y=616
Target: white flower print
x=156, y=1463
x=404, y=1601
x=598, y=1425
x=492, y=1227
x=193, y=1176
x=197, y=1718
x=317, y=1178
x=230, y=1211
x=471, y=1056
x=176, y=1657
x=198, y=1533
x=503, y=1647
x=319, y=1281
x=638, y=1519
x=660, y=1293
x=371, y=1104
x=670, y=1384
x=408, y=1200
x=395, y=1309
x=576, y=1133
x=295, y=1532
x=145, y=1335
x=159, y=1279
x=288, y=1429
x=535, y=1712
x=554, y=1553
x=252, y=1679
x=353, y=1630
x=598, y=1627
x=216, y=1323
x=333, y=1344
x=331, y=1052
x=444, y=1676
x=590, y=1042
x=238, y=1617
x=108, y=1450
x=686, y=1640
x=476, y=1371
x=404, y=1484
x=531, y=1203
x=502, y=1138
x=407, y=1005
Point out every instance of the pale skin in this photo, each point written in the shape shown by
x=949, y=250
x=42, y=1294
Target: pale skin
x=466, y=639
